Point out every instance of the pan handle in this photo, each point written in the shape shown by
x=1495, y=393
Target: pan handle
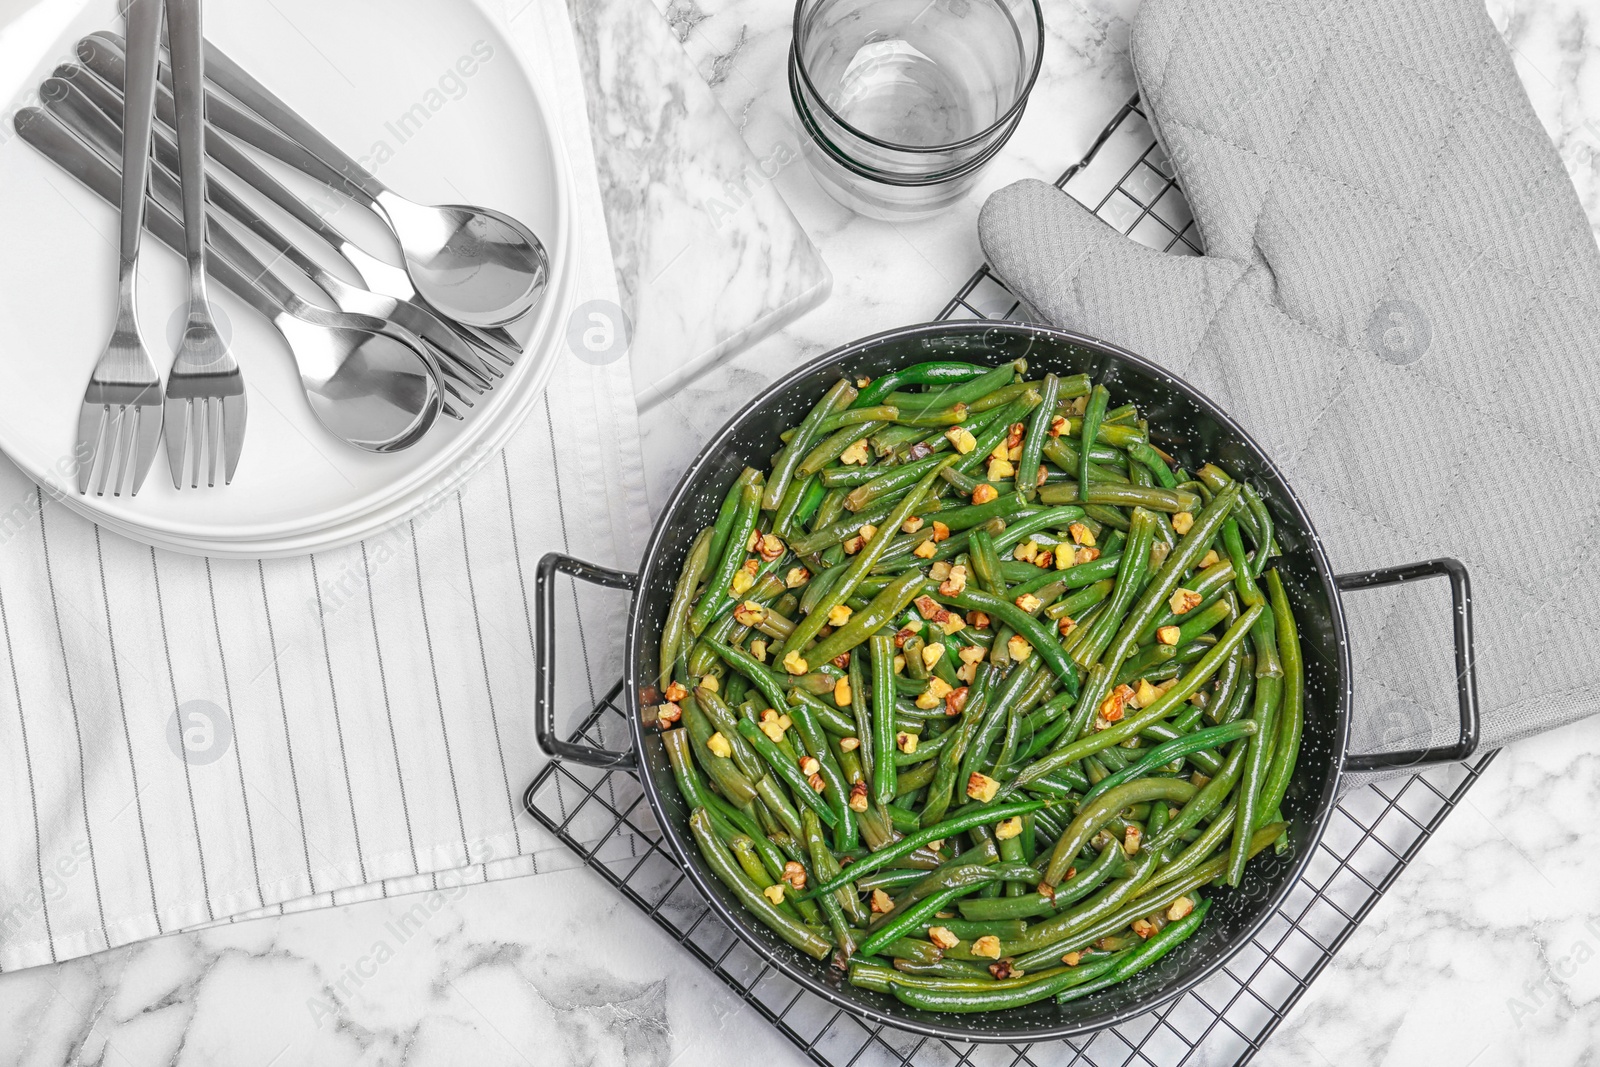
x=544, y=648
x=1466, y=663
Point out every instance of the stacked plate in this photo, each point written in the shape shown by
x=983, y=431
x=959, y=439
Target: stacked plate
x=429, y=96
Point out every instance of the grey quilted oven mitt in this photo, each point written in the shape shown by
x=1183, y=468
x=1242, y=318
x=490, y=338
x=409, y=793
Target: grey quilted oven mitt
x=1398, y=302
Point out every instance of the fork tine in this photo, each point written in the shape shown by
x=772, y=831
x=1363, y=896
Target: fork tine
x=213, y=439
x=117, y=470
x=146, y=437
x=233, y=409
x=110, y=441
x=91, y=425
x=175, y=431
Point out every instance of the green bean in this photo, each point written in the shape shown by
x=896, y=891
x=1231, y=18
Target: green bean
x=1043, y=642
x=1181, y=747
x=1144, y=956
x=672, y=631
x=1038, y=430
x=845, y=834
x=832, y=904
x=883, y=702
x=1291, y=725
x=729, y=873
x=944, y=373
x=1115, y=494
x=840, y=396
x=863, y=624
x=733, y=553
x=950, y=394
x=786, y=771
x=1093, y=814
x=728, y=778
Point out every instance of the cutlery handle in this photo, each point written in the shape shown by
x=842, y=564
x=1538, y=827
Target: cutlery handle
x=63, y=148
x=144, y=37
x=189, y=95
x=233, y=79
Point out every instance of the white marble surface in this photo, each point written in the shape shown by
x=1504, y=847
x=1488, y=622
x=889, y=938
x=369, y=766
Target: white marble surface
x=1485, y=952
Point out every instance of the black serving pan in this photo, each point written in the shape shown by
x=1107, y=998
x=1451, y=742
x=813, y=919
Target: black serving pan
x=1183, y=423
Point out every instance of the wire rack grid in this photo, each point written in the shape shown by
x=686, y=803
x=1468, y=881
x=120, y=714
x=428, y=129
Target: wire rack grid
x=1372, y=835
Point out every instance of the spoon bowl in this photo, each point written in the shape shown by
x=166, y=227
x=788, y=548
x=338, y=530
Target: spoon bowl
x=475, y=264
x=366, y=387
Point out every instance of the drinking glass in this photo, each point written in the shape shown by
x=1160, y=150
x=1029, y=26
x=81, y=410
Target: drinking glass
x=903, y=102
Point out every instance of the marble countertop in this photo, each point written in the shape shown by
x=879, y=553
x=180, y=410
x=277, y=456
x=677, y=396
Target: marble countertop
x=1486, y=951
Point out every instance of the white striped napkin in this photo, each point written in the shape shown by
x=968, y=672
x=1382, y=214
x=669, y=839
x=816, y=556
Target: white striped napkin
x=185, y=741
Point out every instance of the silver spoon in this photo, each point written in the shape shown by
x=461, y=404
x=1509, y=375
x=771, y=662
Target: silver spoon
x=367, y=387
x=103, y=53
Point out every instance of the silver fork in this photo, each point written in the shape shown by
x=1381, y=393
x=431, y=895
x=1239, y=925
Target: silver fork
x=206, y=408
x=119, y=424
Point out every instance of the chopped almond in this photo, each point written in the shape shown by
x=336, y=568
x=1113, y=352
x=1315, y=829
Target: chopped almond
x=1210, y=559
x=1130, y=839
x=999, y=470
x=1064, y=556
x=743, y=578
x=971, y=654
x=940, y=570
x=817, y=783
x=709, y=681
x=955, y=700
x=849, y=744
x=750, y=613
x=1059, y=425
x=882, y=902
x=1145, y=928
x=809, y=765
x=1004, y=969
x=1146, y=694
x=951, y=623
x=1072, y=959
x=981, y=787
x=1000, y=451
x=852, y=545
x=1112, y=707
x=1085, y=555
x=1183, y=522
x=667, y=714
x=931, y=654
x=899, y=665
x=925, y=550
x=1026, y=552
x=1183, y=601
x=1014, y=435
x=773, y=729
x=774, y=893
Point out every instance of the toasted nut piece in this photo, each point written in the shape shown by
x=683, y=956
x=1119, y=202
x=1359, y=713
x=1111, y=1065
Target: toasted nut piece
x=955, y=700
x=1018, y=648
x=981, y=787
x=1183, y=522
x=796, y=577
x=709, y=681
x=868, y=532
x=1026, y=552
x=839, y=614
x=750, y=613
x=743, y=578
x=951, y=623
x=1210, y=559
x=1130, y=839
x=1029, y=603
x=1015, y=433
x=816, y=783
x=770, y=715
x=1004, y=969
x=1006, y=829
x=1080, y=404
x=935, y=846
x=773, y=731
x=774, y=893
x=1179, y=908
x=925, y=550
x=795, y=663
x=941, y=532
x=676, y=692
x=719, y=745
x=1059, y=425
x=904, y=634
x=984, y=493
x=841, y=692
x=882, y=902
x=941, y=936
x=1183, y=601
x=1066, y=624
x=1000, y=469
x=939, y=687
x=755, y=539
x=1048, y=891
x=931, y=654
x=1072, y=959
x=770, y=548
x=858, y=797
x=987, y=946
x=899, y=665
x=1168, y=635
x=849, y=744
x=906, y=742
x=795, y=875
x=971, y=654
x=863, y=382
x=940, y=570
x=1168, y=684
x=855, y=455
x=1145, y=928
x=978, y=620
x=842, y=661
x=1146, y=694
x=1112, y=706
x=1081, y=534
x=809, y=765
x=1158, y=555
x=1085, y=555
x=1000, y=451
x=1065, y=556
x=667, y=714
x=956, y=582
x=912, y=525
x=961, y=438
x=758, y=649
x=1199, y=781
x=967, y=672
x=929, y=608
x=852, y=545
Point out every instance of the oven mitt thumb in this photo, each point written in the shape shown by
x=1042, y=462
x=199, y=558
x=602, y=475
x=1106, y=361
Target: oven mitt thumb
x=1398, y=302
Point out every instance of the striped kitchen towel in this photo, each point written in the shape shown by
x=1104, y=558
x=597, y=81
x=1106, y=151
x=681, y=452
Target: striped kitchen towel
x=185, y=741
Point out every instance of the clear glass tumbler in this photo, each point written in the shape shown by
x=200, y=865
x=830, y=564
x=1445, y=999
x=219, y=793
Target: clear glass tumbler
x=903, y=102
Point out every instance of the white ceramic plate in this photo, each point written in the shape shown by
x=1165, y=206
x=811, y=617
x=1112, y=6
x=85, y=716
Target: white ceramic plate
x=436, y=101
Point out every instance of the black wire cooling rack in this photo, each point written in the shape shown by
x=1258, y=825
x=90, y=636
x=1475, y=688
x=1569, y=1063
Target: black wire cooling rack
x=1373, y=834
